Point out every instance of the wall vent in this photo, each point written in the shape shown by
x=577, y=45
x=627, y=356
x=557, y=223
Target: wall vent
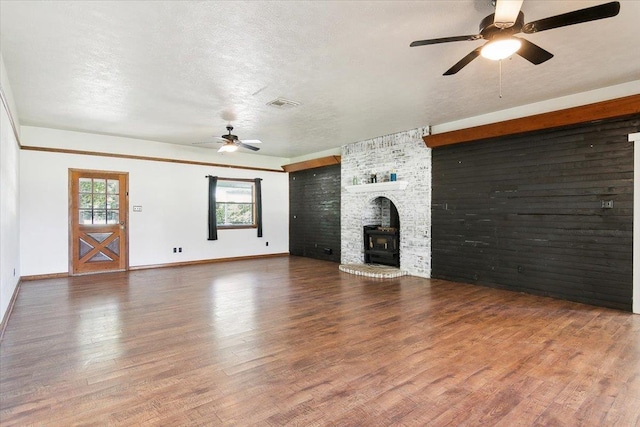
x=283, y=103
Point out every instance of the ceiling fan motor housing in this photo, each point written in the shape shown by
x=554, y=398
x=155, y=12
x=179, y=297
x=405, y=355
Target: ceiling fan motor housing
x=230, y=137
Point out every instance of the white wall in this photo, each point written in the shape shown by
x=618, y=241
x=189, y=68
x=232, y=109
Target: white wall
x=174, y=204
x=9, y=198
x=80, y=141
x=569, y=101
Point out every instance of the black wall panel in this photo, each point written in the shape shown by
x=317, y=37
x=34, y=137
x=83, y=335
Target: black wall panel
x=314, y=213
x=525, y=213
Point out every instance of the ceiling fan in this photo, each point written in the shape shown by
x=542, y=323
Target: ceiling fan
x=231, y=142
x=499, y=29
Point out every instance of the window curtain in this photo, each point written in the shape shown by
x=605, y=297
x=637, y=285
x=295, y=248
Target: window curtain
x=258, y=205
x=213, y=227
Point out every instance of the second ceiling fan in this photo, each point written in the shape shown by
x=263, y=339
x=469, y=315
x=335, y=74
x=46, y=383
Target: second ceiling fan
x=230, y=142
x=499, y=29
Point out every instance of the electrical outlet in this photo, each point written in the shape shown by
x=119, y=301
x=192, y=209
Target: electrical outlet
x=175, y=250
x=180, y=250
x=607, y=204
x=267, y=244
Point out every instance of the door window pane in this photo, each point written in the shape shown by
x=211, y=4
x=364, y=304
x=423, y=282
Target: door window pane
x=99, y=201
x=85, y=217
x=113, y=186
x=85, y=201
x=112, y=217
x=112, y=201
x=99, y=185
x=86, y=185
x=99, y=217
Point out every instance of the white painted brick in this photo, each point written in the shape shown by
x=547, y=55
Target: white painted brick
x=406, y=153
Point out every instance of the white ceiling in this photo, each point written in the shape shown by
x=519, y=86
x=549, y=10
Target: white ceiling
x=173, y=71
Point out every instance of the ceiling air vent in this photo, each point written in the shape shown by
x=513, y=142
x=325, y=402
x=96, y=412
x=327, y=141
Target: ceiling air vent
x=283, y=103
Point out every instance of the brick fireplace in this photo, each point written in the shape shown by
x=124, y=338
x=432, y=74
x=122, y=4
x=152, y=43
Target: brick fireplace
x=406, y=154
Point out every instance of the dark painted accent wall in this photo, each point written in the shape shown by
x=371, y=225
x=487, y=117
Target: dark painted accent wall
x=314, y=213
x=524, y=213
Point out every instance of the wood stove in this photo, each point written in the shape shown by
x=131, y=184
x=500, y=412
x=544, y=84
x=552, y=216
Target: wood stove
x=381, y=245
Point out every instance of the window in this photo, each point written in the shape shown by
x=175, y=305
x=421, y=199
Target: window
x=99, y=200
x=235, y=203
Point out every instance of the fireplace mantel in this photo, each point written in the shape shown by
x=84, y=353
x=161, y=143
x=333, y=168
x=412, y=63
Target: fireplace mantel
x=378, y=186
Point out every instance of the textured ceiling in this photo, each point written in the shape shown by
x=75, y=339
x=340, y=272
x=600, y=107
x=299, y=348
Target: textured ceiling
x=176, y=71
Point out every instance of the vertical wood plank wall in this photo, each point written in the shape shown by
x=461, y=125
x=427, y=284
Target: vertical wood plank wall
x=635, y=140
x=524, y=213
x=314, y=213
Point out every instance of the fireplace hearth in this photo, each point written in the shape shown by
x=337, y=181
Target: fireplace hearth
x=381, y=245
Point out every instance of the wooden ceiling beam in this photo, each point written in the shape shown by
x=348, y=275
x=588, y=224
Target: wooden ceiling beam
x=619, y=107
x=312, y=164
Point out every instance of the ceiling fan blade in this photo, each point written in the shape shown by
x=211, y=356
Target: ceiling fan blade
x=532, y=52
x=251, y=141
x=506, y=13
x=445, y=40
x=602, y=11
x=250, y=147
x=220, y=140
x=463, y=62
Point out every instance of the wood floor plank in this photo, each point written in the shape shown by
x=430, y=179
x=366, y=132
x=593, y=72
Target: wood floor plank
x=294, y=341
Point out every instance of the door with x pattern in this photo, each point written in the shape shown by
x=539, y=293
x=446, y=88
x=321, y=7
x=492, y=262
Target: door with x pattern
x=98, y=221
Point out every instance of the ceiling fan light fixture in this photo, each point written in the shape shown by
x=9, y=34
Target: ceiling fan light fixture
x=228, y=147
x=501, y=48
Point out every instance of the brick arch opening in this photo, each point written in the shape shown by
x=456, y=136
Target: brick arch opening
x=381, y=210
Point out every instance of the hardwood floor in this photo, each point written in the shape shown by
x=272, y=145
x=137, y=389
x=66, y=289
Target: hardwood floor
x=293, y=341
